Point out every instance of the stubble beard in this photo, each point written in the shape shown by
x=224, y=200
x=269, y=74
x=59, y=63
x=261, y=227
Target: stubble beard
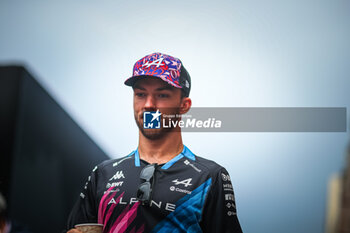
x=154, y=134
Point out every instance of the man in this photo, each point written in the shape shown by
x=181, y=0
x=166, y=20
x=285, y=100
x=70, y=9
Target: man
x=161, y=186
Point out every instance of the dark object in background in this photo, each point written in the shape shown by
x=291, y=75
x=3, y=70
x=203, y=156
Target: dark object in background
x=45, y=156
x=6, y=224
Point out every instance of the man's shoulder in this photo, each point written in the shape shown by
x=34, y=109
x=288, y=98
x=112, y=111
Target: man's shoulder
x=209, y=165
x=206, y=164
x=115, y=162
x=217, y=172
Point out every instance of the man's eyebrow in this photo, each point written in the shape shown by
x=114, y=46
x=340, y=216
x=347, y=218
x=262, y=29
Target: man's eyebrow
x=165, y=88
x=138, y=87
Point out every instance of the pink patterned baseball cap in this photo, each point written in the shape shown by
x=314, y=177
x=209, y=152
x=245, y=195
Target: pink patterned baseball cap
x=169, y=69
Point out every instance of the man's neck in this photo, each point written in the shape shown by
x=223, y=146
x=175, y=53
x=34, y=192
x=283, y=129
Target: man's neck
x=161, y=150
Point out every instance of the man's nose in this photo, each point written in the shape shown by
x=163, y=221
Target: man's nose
x=150, y=103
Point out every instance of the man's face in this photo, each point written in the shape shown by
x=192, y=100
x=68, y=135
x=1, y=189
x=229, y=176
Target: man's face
x=151, y=94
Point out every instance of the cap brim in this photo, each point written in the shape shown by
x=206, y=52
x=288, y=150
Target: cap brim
x=132, y=80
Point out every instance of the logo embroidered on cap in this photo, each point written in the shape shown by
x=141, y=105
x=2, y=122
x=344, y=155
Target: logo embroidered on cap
x=159, y=60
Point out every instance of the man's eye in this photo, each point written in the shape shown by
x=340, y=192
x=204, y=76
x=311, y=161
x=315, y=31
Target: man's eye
x=140, y=94
x=163, y=95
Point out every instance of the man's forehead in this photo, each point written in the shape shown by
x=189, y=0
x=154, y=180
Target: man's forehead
x=155, y=83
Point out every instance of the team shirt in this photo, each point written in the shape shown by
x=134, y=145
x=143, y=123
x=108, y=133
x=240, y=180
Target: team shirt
x=190, y=194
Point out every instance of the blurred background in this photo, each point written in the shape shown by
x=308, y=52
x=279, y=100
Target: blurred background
x=77, y=54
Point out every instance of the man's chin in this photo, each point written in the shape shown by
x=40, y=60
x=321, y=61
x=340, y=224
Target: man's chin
x=152, y=134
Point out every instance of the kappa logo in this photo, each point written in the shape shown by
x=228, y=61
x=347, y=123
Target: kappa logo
x=118, y=175
x=157, y=62
x=186, y=182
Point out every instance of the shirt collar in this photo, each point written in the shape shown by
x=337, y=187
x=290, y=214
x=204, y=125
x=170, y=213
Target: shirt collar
x=185, y=153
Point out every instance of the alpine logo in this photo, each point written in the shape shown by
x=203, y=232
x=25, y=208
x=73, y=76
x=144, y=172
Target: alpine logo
x=161, y=205
x=157, y=62
x=186, y=182
x=118, y=175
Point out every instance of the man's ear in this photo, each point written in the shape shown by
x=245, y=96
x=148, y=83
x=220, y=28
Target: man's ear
x=186, y=104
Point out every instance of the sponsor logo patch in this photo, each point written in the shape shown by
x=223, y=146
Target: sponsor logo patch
x=176, y=189
x=230, y=205
x=161, y=205
x=230, y=213
x=112, y=191
x=227, y=187
x=188, y=163
x=114, y=184
x=229, y=197
x=186, y=182
x=225, y=177
x=118, y=175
